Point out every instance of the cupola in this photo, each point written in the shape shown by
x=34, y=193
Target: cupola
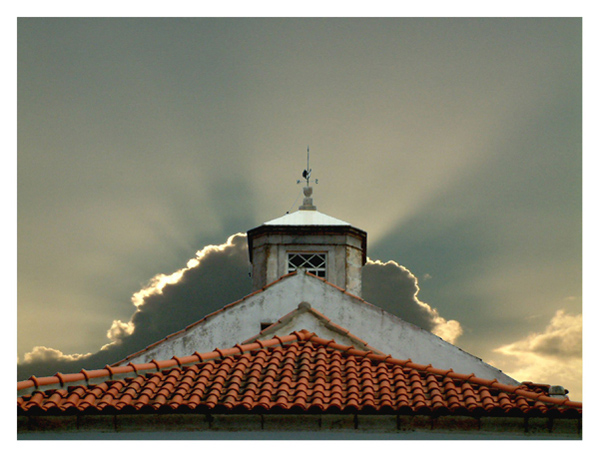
x=311, y=241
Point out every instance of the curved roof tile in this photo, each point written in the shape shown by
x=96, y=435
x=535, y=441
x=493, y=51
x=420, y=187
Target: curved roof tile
x=299, y=371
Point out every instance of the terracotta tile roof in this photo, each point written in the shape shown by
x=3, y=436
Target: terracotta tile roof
x=299, y=372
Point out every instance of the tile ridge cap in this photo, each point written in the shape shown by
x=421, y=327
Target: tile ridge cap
x=113, y=372
x=518, y=389
x=242, y=348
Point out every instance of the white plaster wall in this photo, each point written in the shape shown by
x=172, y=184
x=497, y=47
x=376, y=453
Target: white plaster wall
x=353, y=266
x=380, y=329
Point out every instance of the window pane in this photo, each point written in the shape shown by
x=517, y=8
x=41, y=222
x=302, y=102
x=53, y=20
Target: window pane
x=295, y=261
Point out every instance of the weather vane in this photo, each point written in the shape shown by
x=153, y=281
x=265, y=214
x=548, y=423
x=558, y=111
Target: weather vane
x=308, y=204
x=307, y=172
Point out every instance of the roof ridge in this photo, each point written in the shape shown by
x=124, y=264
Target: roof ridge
x=116, y=372
x=471, y=378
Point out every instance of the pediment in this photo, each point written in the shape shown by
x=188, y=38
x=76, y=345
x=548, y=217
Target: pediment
x=308, y=318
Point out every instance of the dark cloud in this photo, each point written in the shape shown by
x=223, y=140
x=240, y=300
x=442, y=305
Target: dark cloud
x=394, y=288
x=557, y=345
x=217, y=276
x=221, y=277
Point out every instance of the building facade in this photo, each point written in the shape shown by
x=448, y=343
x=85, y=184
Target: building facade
x=302, y=355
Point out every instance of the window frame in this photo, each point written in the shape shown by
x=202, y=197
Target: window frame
x=320, y=270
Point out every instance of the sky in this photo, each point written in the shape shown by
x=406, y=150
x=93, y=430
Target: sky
x=147, y=147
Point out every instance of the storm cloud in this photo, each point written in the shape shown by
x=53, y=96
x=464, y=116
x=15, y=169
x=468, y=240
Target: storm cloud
x=395, y=289
x=455, y=143
x=216, y=276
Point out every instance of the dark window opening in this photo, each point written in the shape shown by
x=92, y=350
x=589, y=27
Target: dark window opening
x=315, y=263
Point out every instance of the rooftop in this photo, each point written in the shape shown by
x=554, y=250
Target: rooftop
x=307, y=217
x=299, y=372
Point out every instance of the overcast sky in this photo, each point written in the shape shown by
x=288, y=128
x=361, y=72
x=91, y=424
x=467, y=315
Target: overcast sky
x=455, y=143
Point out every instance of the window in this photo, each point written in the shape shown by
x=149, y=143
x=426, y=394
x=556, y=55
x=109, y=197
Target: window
x=315, y=263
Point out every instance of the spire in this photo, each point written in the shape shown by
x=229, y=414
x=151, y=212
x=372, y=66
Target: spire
x=308, y=204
